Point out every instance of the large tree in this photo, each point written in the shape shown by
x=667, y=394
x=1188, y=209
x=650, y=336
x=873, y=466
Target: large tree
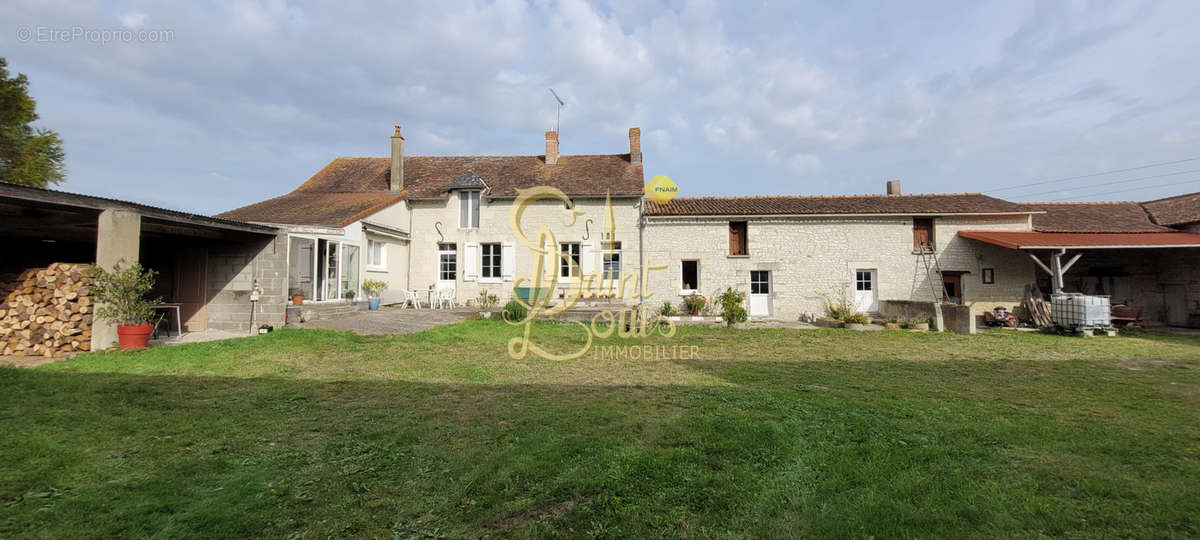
x=28, y=155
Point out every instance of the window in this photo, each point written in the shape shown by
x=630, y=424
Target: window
x=571, y=252
x=989, y=276
x=490, y=262
x=922, y=234
x=690, y=275
x=737, y=238
x=862, y=280
x=612, y=259
x=468, y=209
x=760, y=282
x=447, y=262
x=376, y=254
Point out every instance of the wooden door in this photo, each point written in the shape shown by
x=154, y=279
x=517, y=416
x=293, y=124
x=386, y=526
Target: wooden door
x=953, y=284
x=922, y=234
x=191, y=287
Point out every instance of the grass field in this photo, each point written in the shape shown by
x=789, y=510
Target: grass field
x=769, y=433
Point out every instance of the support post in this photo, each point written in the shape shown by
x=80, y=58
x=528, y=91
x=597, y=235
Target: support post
x=118, y=238
x=1057, y=266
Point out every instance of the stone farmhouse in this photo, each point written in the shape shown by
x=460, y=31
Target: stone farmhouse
x=423, y=223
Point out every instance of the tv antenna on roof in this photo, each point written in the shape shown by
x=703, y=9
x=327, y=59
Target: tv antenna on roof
x=561, y=104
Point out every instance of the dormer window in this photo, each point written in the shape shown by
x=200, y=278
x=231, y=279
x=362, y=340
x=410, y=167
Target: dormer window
x=468, y=209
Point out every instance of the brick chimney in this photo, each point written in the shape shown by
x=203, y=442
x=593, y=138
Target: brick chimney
x=635, y=146
x=551, y=148
x=893, y=187
x=396, y=180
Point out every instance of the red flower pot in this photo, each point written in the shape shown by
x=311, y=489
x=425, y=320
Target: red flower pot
x=297, y=299
x=135, y=336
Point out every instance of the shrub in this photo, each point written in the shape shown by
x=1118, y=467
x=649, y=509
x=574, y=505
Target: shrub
x=121, y=294
x=486, y=300
x=694, y=303
x=667, y=309
x=857, y=318
x=374, y=288
x=731, y=306
x=839, y=305
x=515, y=311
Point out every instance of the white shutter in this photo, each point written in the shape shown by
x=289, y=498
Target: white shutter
x=508, y=261
x=587, y=263
x=470, y=268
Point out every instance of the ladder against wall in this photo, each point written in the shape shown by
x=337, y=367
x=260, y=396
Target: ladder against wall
x=937, y=286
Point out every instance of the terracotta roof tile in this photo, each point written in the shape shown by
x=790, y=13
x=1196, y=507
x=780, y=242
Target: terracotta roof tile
x=349, y=188
x=1175, y=210
x=948, y=203
x=315, y=208
x=1092, y=217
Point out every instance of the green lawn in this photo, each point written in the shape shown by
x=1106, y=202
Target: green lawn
x=770, y=433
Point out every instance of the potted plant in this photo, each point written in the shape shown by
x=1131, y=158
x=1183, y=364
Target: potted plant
x=297, y=296
x=694, y=303
x=731, y=306
x=121, y=297
x=486, y=302
x=373, y=288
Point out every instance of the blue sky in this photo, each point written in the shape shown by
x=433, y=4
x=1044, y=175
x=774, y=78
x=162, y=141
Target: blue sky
x=246, y=100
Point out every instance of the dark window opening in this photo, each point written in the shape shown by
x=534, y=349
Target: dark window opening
x=760, y=282
x=490, y=263
x=691, y=275
x=565, y=267
x=989, y=276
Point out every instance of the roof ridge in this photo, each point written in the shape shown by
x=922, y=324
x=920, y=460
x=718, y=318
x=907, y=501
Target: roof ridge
x=1068, y=203
x=1172, y=197
x=873, y=195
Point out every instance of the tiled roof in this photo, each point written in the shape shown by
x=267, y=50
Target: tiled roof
x=1092, y=217
x=934, y=204
x=1175, y=210
x=1044, y=240
x=350, y=188
x=315, y=208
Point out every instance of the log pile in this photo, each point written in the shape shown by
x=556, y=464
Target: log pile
x=46, y=311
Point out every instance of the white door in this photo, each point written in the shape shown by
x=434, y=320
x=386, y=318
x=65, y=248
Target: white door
x=760, y=293
x=866, y=295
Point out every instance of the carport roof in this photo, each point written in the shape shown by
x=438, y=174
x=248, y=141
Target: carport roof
x=27, y=195
x=1044, y=240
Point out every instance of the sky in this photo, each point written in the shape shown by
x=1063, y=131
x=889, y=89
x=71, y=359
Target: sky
x=207, y=107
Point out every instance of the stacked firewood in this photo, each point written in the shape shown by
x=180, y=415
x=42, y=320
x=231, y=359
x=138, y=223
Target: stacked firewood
x=46, y=311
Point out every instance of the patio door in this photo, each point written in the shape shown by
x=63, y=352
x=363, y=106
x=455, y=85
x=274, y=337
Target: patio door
x=866, y=295
x=328, y=263
x=447, y=266
x=760, y=293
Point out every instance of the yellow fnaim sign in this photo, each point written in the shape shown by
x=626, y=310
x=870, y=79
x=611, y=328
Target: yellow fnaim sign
x=661, y=189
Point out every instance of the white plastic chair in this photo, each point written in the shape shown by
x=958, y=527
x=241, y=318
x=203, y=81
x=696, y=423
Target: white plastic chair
x=445, y=298
x=411, y=296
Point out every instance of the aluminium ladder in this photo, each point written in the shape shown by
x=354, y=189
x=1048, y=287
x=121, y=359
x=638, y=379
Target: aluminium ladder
x=933, y=275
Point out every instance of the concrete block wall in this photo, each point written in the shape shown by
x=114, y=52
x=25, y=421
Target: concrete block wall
x=233, y=270
x=812, y=255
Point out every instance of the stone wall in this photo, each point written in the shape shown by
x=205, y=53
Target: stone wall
x=808, y=256
x=234, y=268
x=494, y=228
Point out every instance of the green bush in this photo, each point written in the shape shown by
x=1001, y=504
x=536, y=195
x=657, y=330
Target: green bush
x=121, y=294
x=667, y=309
x=374, y=288
x=694, y=303
x=856, y=318
x=486, y=300
x=515, y=311
x=731, y=306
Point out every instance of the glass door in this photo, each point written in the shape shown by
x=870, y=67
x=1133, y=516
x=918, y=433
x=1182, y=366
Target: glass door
x=332, y=291
x=349, y=272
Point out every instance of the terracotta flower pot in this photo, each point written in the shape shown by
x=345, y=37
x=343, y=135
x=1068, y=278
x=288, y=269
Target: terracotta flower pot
x=135, y=336
x=297, y=299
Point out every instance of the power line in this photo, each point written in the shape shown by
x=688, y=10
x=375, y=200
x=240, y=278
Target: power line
x=1139, y=167
x=1112, y=183
x=1129, y=189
